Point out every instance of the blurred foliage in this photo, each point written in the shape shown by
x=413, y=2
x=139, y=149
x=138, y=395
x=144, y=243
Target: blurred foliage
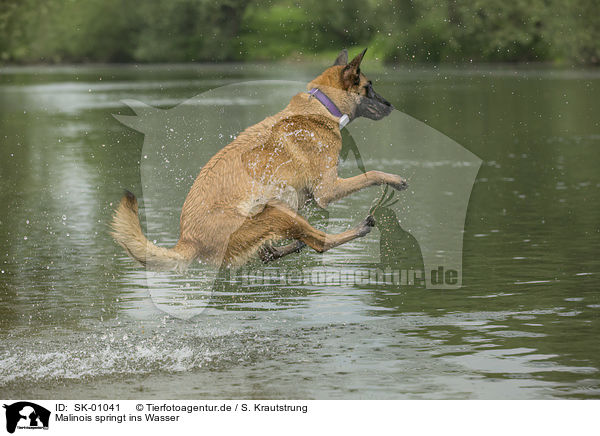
x=280, y=28
x=565, y=31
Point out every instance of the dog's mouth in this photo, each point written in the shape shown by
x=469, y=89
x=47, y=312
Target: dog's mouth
x=374, y=108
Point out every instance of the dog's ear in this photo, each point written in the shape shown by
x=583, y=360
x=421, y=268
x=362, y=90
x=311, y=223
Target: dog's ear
x=342, y=58
x=351, y=72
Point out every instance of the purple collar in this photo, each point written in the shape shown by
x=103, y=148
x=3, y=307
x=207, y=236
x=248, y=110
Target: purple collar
x=331, y=107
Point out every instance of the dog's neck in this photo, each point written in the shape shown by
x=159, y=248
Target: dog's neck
x=330, y=105
x=305, y=102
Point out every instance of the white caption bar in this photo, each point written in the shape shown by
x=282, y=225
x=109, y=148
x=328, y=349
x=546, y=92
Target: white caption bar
x=298, y=417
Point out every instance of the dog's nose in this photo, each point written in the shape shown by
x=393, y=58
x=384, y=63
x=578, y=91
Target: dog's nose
x=388, y=104
x=383, y=101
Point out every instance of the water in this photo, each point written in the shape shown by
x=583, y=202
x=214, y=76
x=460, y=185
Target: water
x=76, y=320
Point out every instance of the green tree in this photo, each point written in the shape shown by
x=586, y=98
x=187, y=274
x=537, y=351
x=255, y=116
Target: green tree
x=189, y=30
x=574, y=31
x=566, y=31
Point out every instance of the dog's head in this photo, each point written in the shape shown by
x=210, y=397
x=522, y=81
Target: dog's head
x=351, y=90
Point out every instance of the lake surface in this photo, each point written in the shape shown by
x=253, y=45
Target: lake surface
x=77, y=320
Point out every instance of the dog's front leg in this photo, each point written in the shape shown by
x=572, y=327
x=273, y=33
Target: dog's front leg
x=333, y=188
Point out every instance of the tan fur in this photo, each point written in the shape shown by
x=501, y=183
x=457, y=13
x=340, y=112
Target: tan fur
x=128, y=234
x=248, y=193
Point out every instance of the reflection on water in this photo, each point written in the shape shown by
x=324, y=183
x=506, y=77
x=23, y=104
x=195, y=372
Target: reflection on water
x=75, y=312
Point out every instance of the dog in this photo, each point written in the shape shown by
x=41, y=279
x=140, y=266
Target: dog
x=247, y=196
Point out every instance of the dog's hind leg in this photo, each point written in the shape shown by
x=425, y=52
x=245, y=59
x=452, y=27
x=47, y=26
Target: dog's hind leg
x=278, y=221
x=268, y=253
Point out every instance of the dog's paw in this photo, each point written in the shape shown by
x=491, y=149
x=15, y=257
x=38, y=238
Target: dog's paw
x=366, y=225
x=397, y=182
x=369, y=221
x=267, y=253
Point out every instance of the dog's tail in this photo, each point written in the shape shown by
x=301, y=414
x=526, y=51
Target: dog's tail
x=127, y=232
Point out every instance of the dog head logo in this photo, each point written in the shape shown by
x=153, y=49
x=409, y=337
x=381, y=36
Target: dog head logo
x=26, y=415
x=179, y=141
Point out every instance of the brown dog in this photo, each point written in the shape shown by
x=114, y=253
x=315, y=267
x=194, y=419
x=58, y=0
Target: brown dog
x=247, y=195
